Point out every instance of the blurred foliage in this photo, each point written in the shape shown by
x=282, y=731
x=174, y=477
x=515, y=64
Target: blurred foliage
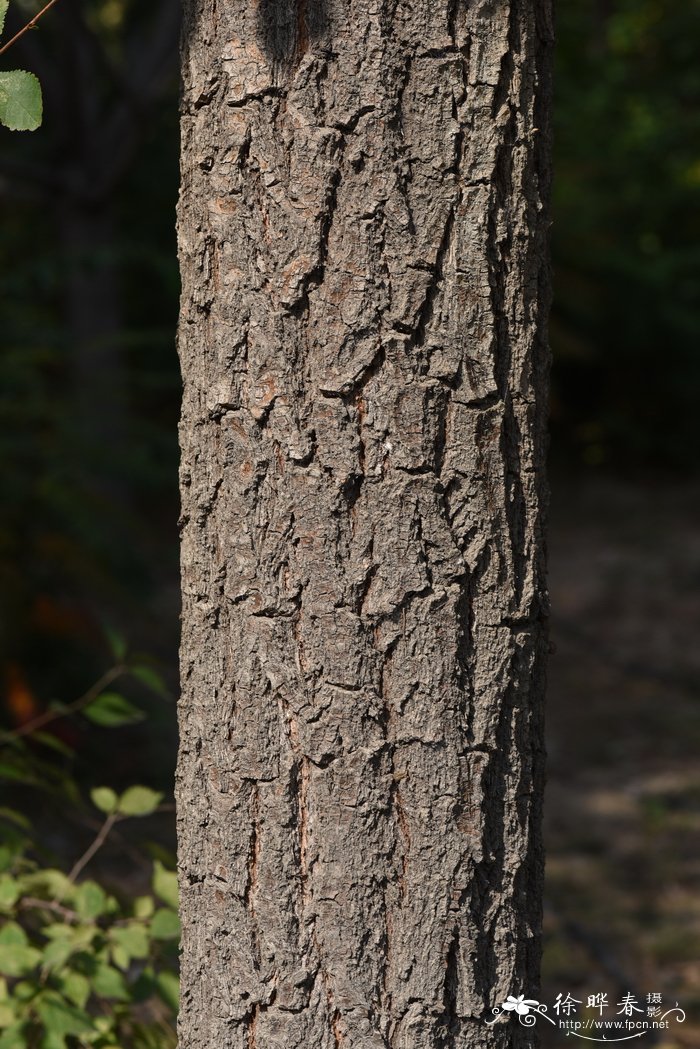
x=626, y=234
x=82, y=963
x=88, y=275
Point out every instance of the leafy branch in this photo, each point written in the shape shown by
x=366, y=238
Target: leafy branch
x=79, y=965
x=30, y=727
x=21, y=104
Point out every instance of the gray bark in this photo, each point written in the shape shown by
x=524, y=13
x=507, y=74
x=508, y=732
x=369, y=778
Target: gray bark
x=365, y=288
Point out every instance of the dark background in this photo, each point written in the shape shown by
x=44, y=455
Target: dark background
x=89, y=392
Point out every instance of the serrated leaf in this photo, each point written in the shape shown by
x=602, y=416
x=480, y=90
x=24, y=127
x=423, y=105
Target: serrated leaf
x=20, y=101
x=165, y=925
x=110, y=710
x=169, y=989
x=4, y=4
x=139, y=801
x=105, y=799
x=165, y=884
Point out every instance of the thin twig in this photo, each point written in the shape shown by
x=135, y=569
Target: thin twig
x=96, y=845
x=34, y=903
x=29, y=25
x=30, y=727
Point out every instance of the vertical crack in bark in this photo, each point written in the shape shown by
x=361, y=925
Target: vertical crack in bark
x=252, y=1025
x=338, y=1036
x=253, y=870
x=450, y=1020
x=303, y=826
x=491, y=886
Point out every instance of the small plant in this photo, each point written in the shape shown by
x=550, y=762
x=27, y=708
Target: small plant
x=80, y=964
x=20, y=92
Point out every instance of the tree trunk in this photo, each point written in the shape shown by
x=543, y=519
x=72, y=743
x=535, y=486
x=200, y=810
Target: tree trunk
x=363, y=228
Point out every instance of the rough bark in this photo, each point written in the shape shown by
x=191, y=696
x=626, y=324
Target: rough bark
x=365, y=287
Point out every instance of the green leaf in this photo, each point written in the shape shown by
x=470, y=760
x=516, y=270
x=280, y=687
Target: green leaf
x=165, y=884
x=120, y=957
x=139, y=801
x=18, y=960
x=15, y=817
x=110, y=710
x=80, y=937
x=56, y=953
x=20, y=101
x=60, y=1018
x=13, y=1037
x=4, y=4
x=24, y=991
x=7, y=1015
x=165, y=925
x=105, y=799
x=53, y=743
x=76, y=988
x=49, y=882
x=12, y=935
x=151, y=679
x=90, y=900
x=132, y=939
x=143, y=906
x=109, y=983
x=117, y=643
x=169, y=989
x=14, y=769
x=9, y=892
x=58, y=930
